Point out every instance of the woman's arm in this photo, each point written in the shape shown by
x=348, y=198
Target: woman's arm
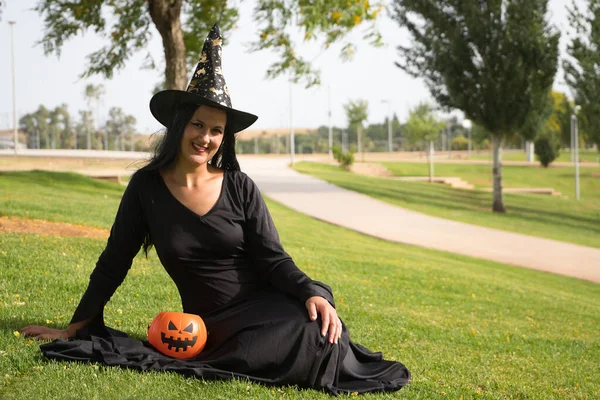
x=126, y=237
x=44, y=332
x=278, y=268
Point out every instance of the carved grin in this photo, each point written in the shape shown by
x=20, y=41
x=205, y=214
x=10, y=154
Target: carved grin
x=177, y=343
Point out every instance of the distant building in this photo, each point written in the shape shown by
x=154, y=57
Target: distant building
x=7, y=139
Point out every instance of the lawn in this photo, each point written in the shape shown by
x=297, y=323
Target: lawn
x=538, y=215
x=561, y=179
x=564, y=156
x=59, y=196
x=465, y=327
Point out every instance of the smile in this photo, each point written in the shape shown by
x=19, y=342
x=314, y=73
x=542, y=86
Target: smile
x=178, y=343
x=199, y=149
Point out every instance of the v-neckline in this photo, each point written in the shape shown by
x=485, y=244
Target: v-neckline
x=206, y=214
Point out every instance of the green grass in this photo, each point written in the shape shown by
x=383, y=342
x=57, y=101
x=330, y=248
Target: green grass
x=538, y=215
x=564, y=156
x=464, y=327
x=59, y=196
x=561, y=179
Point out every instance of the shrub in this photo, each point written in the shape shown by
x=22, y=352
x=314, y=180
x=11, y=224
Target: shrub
x=486, y=144
x=546, y=150
x=460, y=143
x=337, y=152
x=345, y=159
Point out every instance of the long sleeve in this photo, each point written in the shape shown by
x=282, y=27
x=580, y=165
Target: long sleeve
x=273, y=263
x=126, y=237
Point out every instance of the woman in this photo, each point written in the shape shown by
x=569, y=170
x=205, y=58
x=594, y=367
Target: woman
x=267, y=320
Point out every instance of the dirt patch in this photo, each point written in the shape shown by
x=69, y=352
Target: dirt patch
x=41, y=227
x=371, y=169
x=481, y=181
x=25, y=163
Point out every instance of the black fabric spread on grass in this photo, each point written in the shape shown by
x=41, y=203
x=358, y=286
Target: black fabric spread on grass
x=230, y=269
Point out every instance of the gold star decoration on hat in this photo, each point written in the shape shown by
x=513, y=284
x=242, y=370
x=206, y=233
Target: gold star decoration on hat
x=208, y=78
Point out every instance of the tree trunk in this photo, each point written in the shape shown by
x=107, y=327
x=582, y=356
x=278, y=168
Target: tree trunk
x=529, y=151
x=430, y=157
x=498, y=204
x=166, y=17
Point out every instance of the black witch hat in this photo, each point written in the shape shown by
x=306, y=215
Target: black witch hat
x=207, y=87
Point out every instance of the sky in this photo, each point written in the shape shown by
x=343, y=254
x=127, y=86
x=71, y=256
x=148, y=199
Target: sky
x=371, y=75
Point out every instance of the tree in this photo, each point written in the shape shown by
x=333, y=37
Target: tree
x=357, y=112
x=397, y=131
x=582, y=70
x=538, y=117
x=560, y=120
x=422, y=125
x=536, y=122
x=93, y=94
x=37, y=127
x=29, y=124
x=547, y=149
x=126, y=24
x=60, y=128
x=118, y=126
x=494, y=60
x=549, y=135
x=85, y=129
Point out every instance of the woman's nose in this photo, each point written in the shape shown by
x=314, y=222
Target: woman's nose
x=203, y=136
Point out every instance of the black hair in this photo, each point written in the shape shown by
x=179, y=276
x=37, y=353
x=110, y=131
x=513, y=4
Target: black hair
x=166, y=151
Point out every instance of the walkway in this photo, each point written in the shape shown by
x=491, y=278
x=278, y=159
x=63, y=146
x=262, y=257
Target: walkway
x=361, y=213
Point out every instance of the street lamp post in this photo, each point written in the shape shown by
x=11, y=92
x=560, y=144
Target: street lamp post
x=575, y=148
x=330, y=127
x=448, y=131
x=14, y=82
x=292, y=141
x=467, y=124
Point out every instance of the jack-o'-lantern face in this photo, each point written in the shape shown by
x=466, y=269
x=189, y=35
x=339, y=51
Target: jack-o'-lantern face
x=178, y=335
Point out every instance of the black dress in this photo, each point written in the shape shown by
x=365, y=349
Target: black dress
x=230, y=268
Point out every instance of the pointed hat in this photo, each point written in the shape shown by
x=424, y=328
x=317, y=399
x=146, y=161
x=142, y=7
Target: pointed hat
x=207, y=87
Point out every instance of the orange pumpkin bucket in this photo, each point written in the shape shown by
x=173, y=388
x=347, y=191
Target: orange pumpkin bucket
x=177, y=334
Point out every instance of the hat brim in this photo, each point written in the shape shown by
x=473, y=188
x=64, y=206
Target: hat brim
x=164, y=104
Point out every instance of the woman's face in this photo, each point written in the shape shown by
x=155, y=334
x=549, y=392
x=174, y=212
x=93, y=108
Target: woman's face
x=203, y=135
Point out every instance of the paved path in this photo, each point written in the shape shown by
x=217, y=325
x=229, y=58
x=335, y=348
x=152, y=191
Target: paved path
x=364, y=214
x=361, y=213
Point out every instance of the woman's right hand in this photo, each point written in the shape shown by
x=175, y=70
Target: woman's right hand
x=43, y=332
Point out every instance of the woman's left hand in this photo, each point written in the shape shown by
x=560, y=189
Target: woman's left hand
x=329, y=318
